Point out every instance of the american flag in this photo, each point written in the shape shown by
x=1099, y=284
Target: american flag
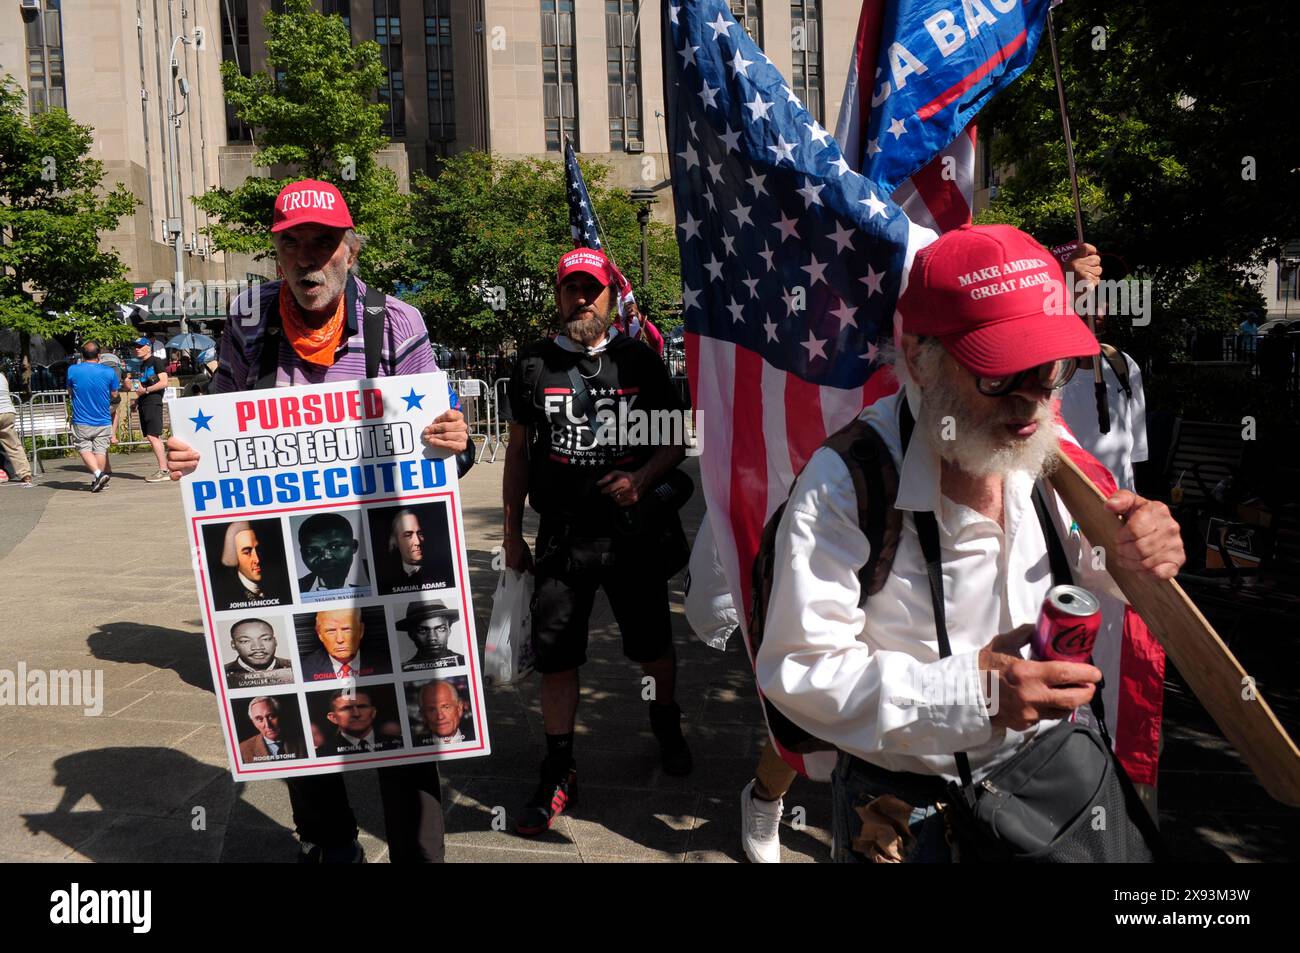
x=791, y=265
x=583, y=223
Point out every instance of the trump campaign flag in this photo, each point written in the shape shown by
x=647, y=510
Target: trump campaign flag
x=791, y=266
x=922, y=69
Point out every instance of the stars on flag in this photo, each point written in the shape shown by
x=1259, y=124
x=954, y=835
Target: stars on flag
x=783, y=150
x=746, y=161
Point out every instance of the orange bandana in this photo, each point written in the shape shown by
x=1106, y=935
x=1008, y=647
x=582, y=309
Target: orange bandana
x=313, y=345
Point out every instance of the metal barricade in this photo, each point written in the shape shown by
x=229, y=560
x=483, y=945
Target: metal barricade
x=476, y=404
x=501, y=413
x=42, y=419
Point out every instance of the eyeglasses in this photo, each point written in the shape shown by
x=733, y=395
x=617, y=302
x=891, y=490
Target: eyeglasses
x=1051, y=376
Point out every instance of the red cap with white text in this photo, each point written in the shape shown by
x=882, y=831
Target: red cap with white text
x=996, y=300
x=310, y=202
x=591, y=261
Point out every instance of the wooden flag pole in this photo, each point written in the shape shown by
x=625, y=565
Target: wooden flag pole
x=1099, y=383
x=1205, y=663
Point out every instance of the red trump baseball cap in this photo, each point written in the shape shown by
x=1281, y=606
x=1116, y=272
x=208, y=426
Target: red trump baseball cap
x=996, y=300
x=589, y=261
x=310, y=201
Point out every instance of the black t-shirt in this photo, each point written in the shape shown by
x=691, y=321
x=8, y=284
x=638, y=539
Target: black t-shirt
x=627, y=384
x=148, y=376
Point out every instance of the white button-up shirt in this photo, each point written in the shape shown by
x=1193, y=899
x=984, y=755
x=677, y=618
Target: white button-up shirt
x=872, y=682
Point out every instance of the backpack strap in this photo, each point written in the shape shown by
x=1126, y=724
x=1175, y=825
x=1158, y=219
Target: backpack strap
x=1119, y=365
x=372, y=326
x=268, y=353
x=927, y=529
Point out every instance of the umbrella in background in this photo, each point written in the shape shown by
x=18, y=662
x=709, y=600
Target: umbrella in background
x=191, y=342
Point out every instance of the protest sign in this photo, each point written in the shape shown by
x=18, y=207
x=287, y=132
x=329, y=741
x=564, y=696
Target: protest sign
x=329, y=556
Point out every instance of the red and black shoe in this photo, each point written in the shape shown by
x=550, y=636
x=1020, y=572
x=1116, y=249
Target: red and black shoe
x=555, y=793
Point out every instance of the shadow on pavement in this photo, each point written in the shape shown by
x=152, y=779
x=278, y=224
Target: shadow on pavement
x=133, y=642
x=156, y=804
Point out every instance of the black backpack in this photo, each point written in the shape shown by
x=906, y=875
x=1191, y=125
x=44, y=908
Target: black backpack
x=875, y=481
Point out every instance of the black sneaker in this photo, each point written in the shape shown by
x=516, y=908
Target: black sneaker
x=99, y=482
x=674, y=754
x=344, y=854
x=555, y=792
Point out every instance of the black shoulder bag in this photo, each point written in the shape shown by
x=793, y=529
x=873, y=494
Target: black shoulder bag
x=372, y=329
x=1064, y=797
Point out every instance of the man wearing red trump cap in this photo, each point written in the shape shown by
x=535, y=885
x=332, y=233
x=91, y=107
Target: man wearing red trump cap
x=312, y=318
x=575, y=456
x=986, y=340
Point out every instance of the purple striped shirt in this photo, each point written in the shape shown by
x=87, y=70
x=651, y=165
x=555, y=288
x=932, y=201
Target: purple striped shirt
x=405, y=349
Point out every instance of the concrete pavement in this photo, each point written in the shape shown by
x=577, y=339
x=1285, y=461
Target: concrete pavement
x=102, y=582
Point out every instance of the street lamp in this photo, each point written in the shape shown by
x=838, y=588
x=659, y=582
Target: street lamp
x=174, y=229
x=646, y=197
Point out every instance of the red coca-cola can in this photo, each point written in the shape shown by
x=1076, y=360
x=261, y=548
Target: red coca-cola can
x=1067, y=625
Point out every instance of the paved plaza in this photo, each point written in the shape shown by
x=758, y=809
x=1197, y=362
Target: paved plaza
x=103, y=582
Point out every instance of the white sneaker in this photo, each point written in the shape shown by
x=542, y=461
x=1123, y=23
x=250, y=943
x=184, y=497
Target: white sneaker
x=760, y=827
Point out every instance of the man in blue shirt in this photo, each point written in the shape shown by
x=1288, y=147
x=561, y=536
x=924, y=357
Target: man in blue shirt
x=92, y=386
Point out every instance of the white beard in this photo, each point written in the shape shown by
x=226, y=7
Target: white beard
x=981, y=446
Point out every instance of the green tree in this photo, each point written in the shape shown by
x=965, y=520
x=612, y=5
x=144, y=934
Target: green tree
x=487, y=233
x=1184, y=170
x=318, y=121
x=52, y=211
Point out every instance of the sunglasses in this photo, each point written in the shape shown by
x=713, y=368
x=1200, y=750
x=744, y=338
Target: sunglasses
x=1051, y=376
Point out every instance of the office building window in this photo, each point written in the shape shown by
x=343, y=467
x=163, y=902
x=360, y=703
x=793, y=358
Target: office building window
x=388, y=34
x=623, y=59
x=235, y=49
x=340, y=8
x=1287, y=287
x=806, y=54
x=559, y=74
x=439, y=70
x=749, y=14
x=44, y=30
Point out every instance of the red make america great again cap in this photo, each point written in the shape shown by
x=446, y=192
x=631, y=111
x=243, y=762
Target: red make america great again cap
x=996, y=300
x=589, y=261
x=310, y=201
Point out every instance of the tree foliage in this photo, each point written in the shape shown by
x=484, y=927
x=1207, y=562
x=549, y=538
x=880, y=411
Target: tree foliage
x=1185, y=171
x=52, y=211
x=487, y=233
x=319, y=121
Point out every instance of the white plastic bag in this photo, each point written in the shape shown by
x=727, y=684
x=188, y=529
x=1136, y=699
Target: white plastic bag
x=508, y=656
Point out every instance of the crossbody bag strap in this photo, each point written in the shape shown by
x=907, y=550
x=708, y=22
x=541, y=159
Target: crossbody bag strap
x=582, y=402
x=1061, y=575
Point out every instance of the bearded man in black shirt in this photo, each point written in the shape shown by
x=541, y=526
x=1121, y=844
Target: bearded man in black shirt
x=586, y=447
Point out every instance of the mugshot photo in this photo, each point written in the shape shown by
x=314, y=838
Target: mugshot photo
x=412, y=548
x=245, y=564
x=330, y=555
x=254, y=653
x=354, y=720
x=269, y=728
x=429, y=634
x=439, y=711
x=342, y=643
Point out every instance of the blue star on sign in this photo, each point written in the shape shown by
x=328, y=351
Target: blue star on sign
x=201, y=422
x=413, y=400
